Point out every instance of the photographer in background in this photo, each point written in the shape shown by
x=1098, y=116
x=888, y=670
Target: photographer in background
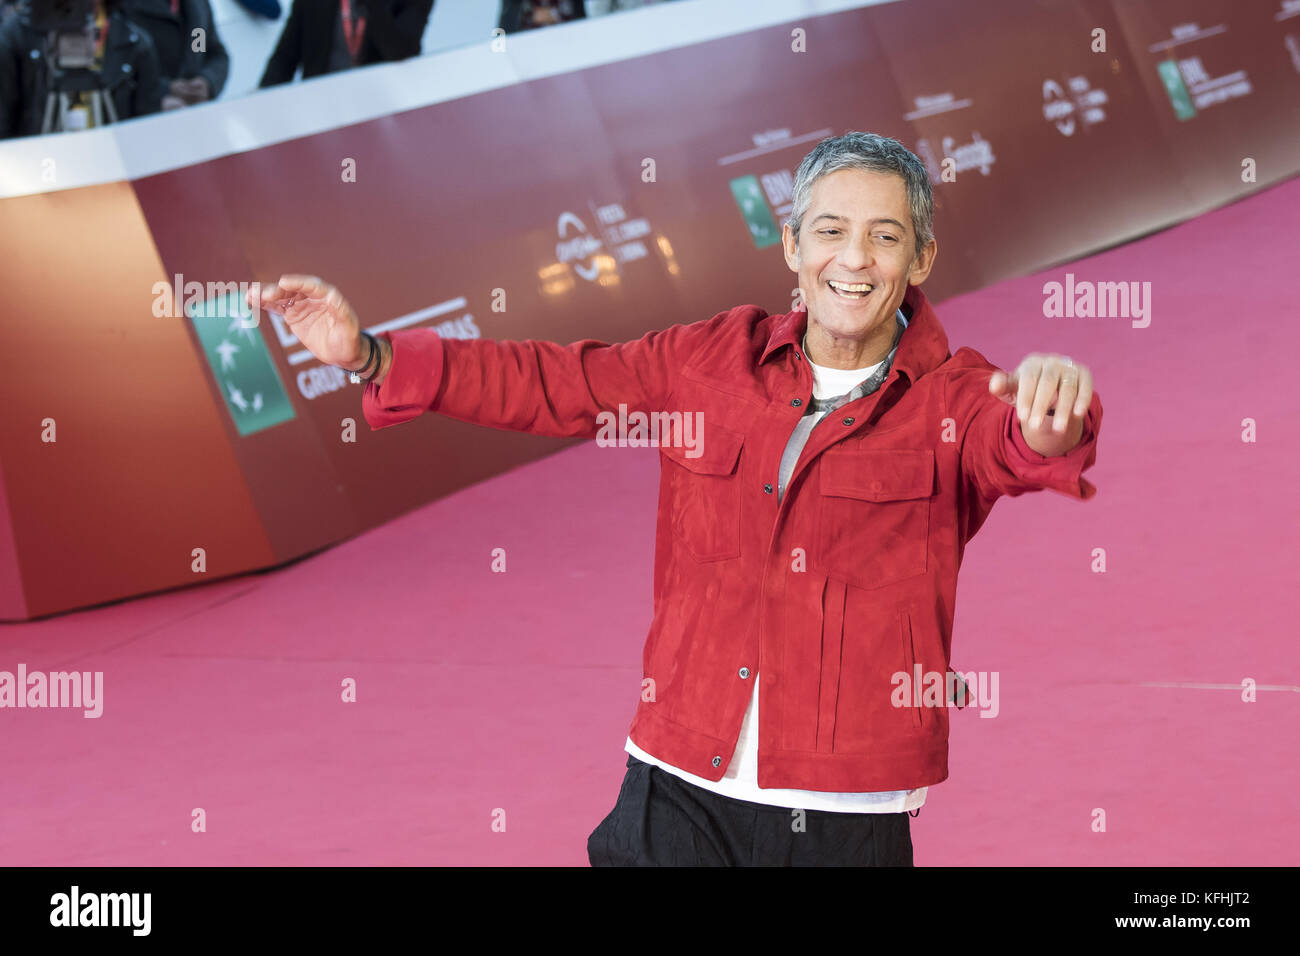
x=189, y=75
x=519, y=15
x=324, y=36
x=123, y=55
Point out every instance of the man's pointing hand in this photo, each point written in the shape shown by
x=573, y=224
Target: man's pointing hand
x=1051, y=394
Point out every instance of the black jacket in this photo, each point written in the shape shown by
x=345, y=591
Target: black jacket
x=130, y=68
x=172, y=35
x=393, y=32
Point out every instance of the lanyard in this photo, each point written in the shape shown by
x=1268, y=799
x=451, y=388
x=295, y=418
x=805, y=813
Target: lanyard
x=101, y=36
x=353, y=39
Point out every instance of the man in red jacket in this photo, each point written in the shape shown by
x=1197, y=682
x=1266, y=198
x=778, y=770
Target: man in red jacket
x=821, y=474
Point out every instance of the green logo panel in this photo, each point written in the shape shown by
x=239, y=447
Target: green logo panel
x=1176, y=89
x=240, y=363
x=749, y=197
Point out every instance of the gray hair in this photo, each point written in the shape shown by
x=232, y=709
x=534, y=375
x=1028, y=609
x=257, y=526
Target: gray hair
x=873, y=152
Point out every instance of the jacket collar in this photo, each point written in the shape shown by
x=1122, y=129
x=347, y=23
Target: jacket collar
x=922, y=347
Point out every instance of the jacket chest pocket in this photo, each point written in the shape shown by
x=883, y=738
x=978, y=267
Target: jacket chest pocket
x=873, y=528
x=704, y=494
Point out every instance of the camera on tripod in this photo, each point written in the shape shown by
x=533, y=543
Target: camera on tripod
x=69, y=26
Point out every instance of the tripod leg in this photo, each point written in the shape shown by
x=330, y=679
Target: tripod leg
x=49, y=112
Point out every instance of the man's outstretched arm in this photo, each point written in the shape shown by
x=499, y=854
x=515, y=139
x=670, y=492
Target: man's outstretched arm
x=534, y=386
x=539, y=387
x=1034, y=428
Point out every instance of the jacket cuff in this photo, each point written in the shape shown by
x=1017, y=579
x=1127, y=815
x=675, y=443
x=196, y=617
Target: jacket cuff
x=412, y=382
x=1063, y=473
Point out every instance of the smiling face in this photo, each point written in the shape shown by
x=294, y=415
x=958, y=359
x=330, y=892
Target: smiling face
x=855, y=259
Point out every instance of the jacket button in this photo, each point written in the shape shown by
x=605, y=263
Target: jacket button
x=796, y=402
x=848, y=421
x=876, y=486
x=744, y=672
x=717, y=761
x=768, y=489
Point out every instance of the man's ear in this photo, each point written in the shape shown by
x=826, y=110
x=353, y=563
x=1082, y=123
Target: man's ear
x=923, y=263
x=788, y=246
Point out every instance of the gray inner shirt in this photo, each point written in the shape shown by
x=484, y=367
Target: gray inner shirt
x=819, y=408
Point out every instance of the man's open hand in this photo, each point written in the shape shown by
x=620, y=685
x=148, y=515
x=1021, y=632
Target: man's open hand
x=317, y=314
x=1051, y=394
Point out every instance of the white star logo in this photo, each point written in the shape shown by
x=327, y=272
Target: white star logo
x=227, y=350
x=237, y=398
x=237, y=324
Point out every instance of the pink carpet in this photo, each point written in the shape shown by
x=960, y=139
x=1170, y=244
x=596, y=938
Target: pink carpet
x=479, y=693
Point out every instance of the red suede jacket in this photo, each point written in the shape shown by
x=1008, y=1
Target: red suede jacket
x=848, y=580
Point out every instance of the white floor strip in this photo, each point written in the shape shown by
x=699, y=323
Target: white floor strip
x=1195, y=686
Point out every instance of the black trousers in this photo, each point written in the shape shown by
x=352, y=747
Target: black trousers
x=661, y=820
